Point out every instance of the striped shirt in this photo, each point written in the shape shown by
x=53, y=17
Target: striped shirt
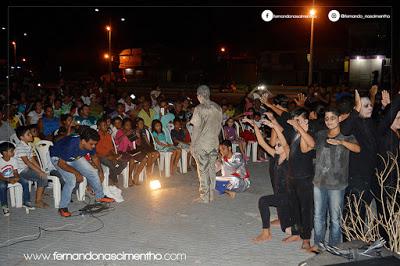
x=22, y=149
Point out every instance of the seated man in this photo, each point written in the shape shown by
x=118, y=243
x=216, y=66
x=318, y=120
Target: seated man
x=84, y=118
x=105, y=151
x=69, y=157
x=235, y=177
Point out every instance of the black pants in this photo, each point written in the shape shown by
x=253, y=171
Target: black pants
x=301, y=199
x=115, y=168
x=281, y=202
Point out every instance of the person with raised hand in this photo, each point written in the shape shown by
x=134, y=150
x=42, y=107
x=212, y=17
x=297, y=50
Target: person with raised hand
x=280, y=198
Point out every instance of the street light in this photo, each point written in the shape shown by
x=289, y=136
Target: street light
x=108, y=28
x=222, y=49
x=14, y=44
x=310, y=64
x=106, y=56
x=122, y=19
x=96, y=10
x=3, y=28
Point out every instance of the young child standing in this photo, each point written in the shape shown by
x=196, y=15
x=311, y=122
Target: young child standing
x=9, y=175
x=28, y=167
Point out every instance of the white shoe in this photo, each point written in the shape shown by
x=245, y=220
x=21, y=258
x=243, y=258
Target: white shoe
x=6, y=211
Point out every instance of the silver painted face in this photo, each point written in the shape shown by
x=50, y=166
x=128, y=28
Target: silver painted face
x=366, y=108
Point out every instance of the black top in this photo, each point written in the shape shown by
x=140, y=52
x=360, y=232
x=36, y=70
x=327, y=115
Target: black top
x=361, y=165
x=388, y=140
x=300, y=164
x=280, y=175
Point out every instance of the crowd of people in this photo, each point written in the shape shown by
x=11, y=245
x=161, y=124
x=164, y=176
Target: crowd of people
x=88, y=130
x=321, y=148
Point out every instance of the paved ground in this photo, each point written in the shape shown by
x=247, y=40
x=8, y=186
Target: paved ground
x=163, y=221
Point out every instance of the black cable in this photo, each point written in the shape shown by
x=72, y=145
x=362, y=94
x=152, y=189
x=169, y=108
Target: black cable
x=88, y=211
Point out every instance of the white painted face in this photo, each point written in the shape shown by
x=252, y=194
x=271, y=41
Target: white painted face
x=366, y=108
x=200, y=98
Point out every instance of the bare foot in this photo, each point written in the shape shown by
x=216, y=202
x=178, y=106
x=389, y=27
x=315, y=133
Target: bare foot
x=264, y=236
x=292, y=238
x=201, y=200
x=41, y=204
x=276, y=223
x=288, y=231
x=231, y=194
x=313, y=249
x=306, y=244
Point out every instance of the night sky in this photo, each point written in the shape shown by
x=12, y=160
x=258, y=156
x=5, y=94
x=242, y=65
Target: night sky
x=75, y=36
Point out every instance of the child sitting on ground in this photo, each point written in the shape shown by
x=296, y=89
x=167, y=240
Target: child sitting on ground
x=235, y=177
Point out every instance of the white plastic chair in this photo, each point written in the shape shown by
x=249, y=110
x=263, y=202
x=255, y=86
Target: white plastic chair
x=21, y=118
x=234, y=145
x=165, y=158
x=15, y=194
x=42, y=153
x=14, y=139
x=251, y=148
x=182, y=164
x=125, y=172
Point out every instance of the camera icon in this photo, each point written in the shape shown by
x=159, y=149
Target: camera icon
x=334, y=15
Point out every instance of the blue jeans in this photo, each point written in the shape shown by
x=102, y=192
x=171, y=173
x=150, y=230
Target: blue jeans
x=328, y=200
x=29, y=174
x=26, y=195
x=85, y=169
x=3, y=193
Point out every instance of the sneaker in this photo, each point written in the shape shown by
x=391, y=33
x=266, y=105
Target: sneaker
x=64, y=212
x=6, y=211
x=105, y=199
x=28, y=205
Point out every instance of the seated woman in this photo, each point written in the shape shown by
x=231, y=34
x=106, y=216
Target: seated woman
x=144, y=144
x=280, y=198
x=178, y=135
x=125, y=142
x=230, y=133
x=235, y=177
x=162, y=144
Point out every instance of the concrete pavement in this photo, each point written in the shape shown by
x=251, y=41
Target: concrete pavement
x=162, y=221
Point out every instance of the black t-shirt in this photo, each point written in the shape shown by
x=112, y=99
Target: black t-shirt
x=280, y=175
x=300, y=164
x=362, y=165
